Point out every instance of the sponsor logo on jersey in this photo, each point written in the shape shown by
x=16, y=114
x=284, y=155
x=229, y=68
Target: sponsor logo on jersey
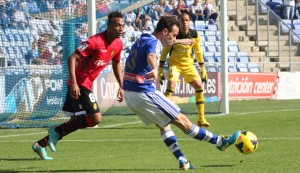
x=95, y=106
x=103, y=51
x=82, y=46
x=134, y=77
x=100, y=63
x=112, y=53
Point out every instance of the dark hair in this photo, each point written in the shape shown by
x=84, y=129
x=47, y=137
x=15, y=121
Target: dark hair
x=114, y=14
x=166, y=22
x=184, y=12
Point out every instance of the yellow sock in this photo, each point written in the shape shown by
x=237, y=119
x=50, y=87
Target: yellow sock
x=169, y=92
x=200, y=102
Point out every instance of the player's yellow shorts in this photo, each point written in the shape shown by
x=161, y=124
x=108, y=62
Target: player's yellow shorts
x=189, y=73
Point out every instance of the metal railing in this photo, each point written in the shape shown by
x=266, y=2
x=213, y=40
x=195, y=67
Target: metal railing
x=258, y=37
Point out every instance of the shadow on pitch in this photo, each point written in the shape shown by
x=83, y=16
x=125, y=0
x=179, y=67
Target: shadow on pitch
x=90, y=170
x=18, y=159
x=218, y=166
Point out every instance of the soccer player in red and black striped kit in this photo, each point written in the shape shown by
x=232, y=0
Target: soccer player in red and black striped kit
x=84, y=65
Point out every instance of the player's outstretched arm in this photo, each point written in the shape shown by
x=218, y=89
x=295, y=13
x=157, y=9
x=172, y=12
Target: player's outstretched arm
x=118, y=75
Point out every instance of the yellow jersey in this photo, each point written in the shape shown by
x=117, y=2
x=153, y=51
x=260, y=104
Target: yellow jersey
x=182, y=55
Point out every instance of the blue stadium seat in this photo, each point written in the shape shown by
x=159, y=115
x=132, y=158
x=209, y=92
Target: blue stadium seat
x=296, y=36
x=296, y=24
x=253, y=67
x=233, y=46
x=207, y=33
x=243, y=57
x=209, y=57
x=211, y=68
x=211, y=48
x=242, y=67
x=218, y=57
x=212, y=27
x=200, y=25
x=286, y=26
x=211, y=38
x=231, y=67
x=232, y=57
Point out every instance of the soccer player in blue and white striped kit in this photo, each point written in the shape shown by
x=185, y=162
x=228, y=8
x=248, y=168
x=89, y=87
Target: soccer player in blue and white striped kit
x=152, y=106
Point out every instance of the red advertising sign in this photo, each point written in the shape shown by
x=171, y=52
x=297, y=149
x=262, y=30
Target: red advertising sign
x=252, y=85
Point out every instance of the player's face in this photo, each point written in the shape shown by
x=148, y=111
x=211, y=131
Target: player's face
x=184, y=23
x=116, y=27
x=170, y=37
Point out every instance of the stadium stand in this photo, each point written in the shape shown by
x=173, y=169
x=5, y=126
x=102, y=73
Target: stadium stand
x=39, y=33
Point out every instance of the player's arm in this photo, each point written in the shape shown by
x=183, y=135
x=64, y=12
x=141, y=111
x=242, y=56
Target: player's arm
x=163, y=56
x=118, y=75
x=200, y=58
x=185, y=41
x=152, y=62
x=74, y=90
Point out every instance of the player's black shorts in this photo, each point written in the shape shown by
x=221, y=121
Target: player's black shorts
x=85, y=105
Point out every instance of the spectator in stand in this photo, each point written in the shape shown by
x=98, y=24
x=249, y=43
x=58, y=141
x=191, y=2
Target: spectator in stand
x=103, y=7
x=4, y=19
x=170, y=7
x=60, y=5
x=33, y=53
x=45, y=55
x=128, y=34
x=20, y=18
x=43, y=7
x=50, y=6
x=288, y=9
x=33, y=7
x=56, y=56
x=209, y=11
x=297, y=11
x=130, y=17
x=196, y=11
x=10, y=5
x=179, y=8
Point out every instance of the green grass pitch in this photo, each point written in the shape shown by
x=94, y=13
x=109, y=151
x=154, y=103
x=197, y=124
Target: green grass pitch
x=124, y=144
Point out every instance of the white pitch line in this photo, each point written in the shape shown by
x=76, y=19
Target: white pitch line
x=136, y=122
x=134, y=140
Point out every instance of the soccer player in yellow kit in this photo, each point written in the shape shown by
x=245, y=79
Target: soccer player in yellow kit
x=181, y=61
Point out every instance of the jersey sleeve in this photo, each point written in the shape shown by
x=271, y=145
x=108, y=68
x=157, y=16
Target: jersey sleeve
x=198, y=51
x=117, y=57
x=86, y=48
x=153, y=47
x=164, y=53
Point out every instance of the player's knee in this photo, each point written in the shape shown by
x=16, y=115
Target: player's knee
x=183, y=123
x=95, y=119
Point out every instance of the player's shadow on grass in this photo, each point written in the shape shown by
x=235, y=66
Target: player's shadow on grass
x=90, y=170
x=17, y=159
x=217, y=166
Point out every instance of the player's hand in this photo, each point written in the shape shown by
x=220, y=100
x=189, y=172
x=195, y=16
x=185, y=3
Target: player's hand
x=74, y=91
x=161, y=76
x=204, y=77
x=120, y=95
x=152, y=75
x=187, y=41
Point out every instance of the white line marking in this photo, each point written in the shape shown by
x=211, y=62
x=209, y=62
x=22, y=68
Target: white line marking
x=136, y=122
x=134, y=140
